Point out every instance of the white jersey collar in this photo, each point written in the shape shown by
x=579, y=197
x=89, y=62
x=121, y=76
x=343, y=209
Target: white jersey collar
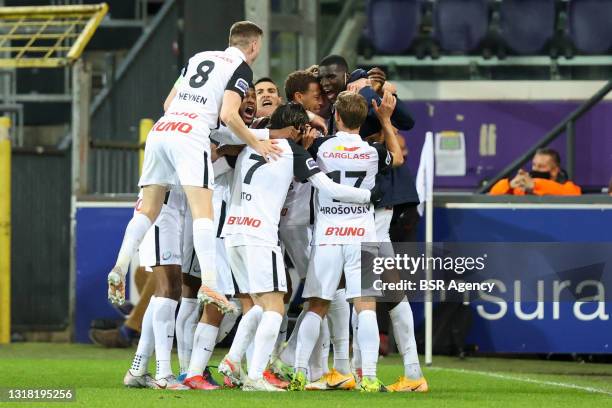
x=348, y=135
x=237, y=52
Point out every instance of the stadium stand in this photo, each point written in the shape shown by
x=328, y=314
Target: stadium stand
x=392, y=25
x=527, y=25
x=589, y=25
x=461, y=25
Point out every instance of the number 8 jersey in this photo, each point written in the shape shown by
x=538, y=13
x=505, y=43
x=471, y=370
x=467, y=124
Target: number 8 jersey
x=203, y=81
x=348, y=160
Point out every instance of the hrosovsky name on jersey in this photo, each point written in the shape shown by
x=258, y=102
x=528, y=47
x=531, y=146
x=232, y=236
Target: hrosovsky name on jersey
x=340, y=209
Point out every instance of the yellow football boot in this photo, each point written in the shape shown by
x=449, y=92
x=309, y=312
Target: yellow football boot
x=404, y=384
x=333, y=380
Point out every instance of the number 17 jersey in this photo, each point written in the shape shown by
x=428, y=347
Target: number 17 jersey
x=348, y=160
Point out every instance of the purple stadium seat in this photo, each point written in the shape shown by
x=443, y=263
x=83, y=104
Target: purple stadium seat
x=392, y=24
x=460, y=25
x=527, y=25
x=590, y=24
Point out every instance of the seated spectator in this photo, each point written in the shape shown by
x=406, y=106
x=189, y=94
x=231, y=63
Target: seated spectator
x=610, y=188
x=545, y=178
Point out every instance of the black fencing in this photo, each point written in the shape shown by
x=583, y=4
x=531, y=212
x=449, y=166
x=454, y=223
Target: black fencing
x=40, y=250
x=142, y=82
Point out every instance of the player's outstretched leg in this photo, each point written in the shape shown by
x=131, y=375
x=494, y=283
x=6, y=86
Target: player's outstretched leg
x=203, y=347
x=138, y=375
x=339, y=316
x=186, y=322
x=369, y=342
x=164, y=306
x=230, y=365
x=146, y=214
x=263, y=343
x=282, y=364
x=340, y=377
x=308, y=335
x=403, y=330
x=205, y=243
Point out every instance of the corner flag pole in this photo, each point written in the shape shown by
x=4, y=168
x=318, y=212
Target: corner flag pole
x=5, y=231
x=424, y=184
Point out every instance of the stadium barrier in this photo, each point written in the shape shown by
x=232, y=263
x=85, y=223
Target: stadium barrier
x=456, y=218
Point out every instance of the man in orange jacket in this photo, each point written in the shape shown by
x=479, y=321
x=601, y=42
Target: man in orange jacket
x=546, y=178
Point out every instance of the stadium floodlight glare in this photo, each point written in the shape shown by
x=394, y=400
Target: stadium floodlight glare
x=46, y=36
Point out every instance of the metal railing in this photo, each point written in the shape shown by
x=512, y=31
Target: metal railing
x=46, y=36
x=567, y=126
x=113, y=167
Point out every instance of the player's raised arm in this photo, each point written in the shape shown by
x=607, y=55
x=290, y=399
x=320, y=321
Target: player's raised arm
x=384, y=112
x=230, y=116
x=226, y=137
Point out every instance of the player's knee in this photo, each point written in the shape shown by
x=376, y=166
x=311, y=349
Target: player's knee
x=318, y=306
x=151, y=212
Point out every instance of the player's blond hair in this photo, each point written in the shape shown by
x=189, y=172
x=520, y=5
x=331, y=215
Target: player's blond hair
x=243, y=33
x=352, y=109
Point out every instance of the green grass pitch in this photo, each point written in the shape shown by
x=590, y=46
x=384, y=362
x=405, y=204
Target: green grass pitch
x=96, y=374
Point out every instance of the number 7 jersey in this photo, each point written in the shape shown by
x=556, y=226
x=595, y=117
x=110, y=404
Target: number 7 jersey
x=259, y=192
x=348, y=160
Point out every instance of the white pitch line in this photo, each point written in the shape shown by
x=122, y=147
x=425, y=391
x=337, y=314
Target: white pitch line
x=524, y=379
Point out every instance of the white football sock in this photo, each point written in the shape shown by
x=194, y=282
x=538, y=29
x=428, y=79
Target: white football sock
x=146, y=343
x=228, y=322
x=263, y=344
x=203, y=347
x=307, y=338
x=339, y=315
x=403, y=330
x=282, y=333
x=163, y=327
x=244, y=333
x=134, y=233
x=325, y=345
x=369, y=342
x=288, y=354
x=320, y=354
x=186, y=322
x=249, y=354
x=204, y=243
x=356, y=349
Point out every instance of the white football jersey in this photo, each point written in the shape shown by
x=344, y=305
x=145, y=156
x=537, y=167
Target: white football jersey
x=299, y=206
x=207, y=75
x=259, y=192
x=348, y=160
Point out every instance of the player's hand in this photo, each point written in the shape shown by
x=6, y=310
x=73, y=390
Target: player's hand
x=229, y=150
x=308, y=137
x=388, y=86
x=268, y=149
x=318, y=122
x=313, y=69
x=116, y=287
x=289, y=132
x=357, y=85
x=377, y=78
x=386, y=107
